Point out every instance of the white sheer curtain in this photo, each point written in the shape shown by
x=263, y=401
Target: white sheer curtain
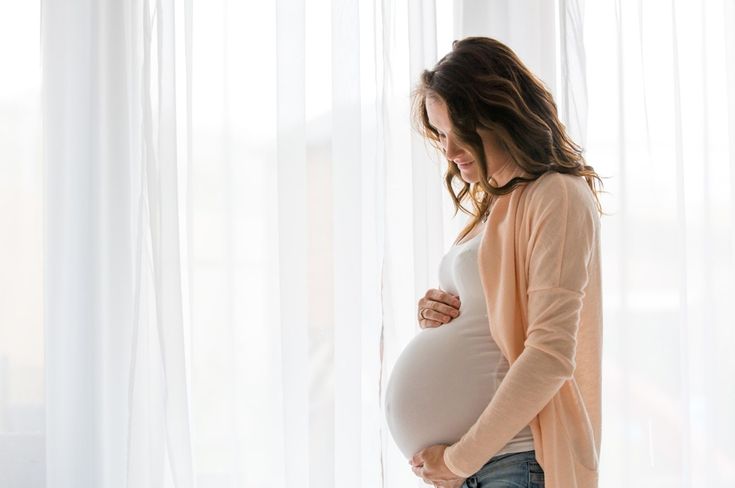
x=661, y=78
x=21, y=250
x=115, y=143
x=214, y=237
x=297, y=159
x=238, y=222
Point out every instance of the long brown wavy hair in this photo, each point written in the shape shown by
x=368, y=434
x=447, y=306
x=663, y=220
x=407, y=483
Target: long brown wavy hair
x=485, y=85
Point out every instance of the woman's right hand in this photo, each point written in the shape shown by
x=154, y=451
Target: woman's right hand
x=439, y=308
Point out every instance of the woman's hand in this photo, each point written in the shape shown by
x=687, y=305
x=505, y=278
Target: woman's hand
x=429, y=464
x=439, y=307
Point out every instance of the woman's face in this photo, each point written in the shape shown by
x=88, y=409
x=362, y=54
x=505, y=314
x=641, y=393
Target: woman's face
x=496, y=157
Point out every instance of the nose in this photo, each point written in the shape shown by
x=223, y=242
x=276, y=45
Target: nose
x=451, y=149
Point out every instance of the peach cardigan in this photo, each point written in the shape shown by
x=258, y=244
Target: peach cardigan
x=539, y=261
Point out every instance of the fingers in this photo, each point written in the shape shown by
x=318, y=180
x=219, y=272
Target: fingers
x=418, y=471
x=439, y=307
x=427, y=324
x=453, y=483
x=442, y=296
x=443, y=311
x=417, y=459
x=439, y=317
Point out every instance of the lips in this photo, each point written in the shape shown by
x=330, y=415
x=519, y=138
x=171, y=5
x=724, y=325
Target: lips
x=465, y=164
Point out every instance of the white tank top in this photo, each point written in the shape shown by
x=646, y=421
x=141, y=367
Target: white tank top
x=446, y=376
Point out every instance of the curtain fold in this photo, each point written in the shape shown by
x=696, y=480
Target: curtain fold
x=293, y=380
x=659, y=125
x=571, y=97
x=116, y=404
x=159, y=443
x=348, y=252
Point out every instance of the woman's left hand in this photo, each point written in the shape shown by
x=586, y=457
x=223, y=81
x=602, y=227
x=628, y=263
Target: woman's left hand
x=429, y=464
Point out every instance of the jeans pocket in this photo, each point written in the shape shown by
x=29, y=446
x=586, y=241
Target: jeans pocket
x=535, y=475
x=505, y=474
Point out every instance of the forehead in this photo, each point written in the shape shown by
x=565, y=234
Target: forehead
x=436, y=110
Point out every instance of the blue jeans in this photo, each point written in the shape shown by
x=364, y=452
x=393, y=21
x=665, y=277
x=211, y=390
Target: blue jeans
x=512, y=470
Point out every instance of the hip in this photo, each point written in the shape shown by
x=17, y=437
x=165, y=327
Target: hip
x=516, y=469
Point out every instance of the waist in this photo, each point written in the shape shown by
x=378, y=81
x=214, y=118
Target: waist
x=514, y=456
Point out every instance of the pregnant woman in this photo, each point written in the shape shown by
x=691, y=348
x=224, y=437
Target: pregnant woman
x=501, y=388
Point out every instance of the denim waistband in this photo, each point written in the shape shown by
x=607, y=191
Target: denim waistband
x=515, y=456
x=512, y=467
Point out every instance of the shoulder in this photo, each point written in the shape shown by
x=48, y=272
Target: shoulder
x=554, y=189
x=559, y=202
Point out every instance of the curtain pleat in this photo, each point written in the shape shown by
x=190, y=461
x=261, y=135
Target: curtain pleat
x=659, y=124
x=117, y=400
x=683, y=257
x=70, y=394
x=159, y=442
x=348, y=199
x=572, y=94
x=289, y=242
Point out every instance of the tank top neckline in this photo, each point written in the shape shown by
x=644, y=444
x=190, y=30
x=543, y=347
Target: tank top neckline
x=460, y=244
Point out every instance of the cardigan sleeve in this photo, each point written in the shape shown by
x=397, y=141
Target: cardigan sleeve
x=561, y=219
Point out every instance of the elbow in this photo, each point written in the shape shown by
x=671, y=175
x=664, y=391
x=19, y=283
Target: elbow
x=558, y=363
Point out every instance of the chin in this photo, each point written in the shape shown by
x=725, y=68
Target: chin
x=469, y=176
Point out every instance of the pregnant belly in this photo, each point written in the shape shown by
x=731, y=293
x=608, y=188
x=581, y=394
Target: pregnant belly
x=441, y=383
